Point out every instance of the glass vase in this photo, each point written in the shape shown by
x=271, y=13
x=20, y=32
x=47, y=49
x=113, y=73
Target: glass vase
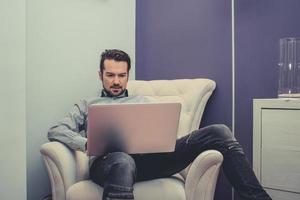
x=289, y=68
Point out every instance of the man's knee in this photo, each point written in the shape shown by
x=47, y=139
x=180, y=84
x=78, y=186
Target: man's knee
x=123, y=161
x=225, y=139
x=221, y=132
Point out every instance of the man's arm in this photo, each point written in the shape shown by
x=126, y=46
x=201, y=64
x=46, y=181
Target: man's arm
x=71, y=129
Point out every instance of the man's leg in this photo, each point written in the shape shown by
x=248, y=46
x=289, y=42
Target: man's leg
x=236, y=166
x=116, y=173
x=218, y=137
x=116, y=170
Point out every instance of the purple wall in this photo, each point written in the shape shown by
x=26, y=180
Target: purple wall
x=188, y=39
x=259, y=25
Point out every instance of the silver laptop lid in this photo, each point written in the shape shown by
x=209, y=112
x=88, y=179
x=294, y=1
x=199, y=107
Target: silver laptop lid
x=145, y=128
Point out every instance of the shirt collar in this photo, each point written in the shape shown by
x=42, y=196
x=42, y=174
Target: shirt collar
x=104, y=93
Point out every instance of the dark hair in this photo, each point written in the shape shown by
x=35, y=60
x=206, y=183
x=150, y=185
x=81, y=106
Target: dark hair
x=114, y=54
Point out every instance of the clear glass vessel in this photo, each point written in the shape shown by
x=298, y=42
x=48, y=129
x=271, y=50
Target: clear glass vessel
x=289, y=68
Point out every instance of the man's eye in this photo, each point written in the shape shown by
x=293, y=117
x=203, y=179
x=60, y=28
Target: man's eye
x=110, y=75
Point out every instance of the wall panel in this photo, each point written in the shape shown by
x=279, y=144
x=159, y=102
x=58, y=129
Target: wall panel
x=188, y=39
x=258, y=28
x=12, y=101
x=64, y=41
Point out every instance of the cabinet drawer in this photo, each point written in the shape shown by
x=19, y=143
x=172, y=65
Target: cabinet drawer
x=280, y=149
x=281, y=195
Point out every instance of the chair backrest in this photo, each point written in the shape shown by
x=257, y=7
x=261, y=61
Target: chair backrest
x=191, y=93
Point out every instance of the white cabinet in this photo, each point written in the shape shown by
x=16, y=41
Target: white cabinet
x=276, y=146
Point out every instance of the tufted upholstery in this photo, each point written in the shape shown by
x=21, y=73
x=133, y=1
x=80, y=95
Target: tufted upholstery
x=68, y=170
x=191, y=93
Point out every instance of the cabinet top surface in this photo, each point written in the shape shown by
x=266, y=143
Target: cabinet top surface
x=277, y=103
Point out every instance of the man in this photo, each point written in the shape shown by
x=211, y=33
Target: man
x=116, y=171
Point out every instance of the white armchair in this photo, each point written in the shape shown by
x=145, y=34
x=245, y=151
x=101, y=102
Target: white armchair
x=68, y=170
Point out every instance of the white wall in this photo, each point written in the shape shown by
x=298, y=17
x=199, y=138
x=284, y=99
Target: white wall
x=64, y=42
x=58, y=59
x=12, y=100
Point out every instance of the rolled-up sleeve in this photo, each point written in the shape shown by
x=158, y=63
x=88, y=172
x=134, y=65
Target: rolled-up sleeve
x=71, y=129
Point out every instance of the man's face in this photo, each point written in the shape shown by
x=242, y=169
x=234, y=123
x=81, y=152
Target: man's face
x=114, y=77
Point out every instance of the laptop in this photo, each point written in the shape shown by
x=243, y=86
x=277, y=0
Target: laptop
x=143, y=128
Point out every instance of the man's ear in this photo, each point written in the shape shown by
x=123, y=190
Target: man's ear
x=100, y=75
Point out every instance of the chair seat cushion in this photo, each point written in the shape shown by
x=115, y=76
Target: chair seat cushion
x=158, y=189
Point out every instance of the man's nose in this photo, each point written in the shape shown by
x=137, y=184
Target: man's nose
x=116, y=80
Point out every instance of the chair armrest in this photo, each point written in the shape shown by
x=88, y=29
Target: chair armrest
x=61, y=167
x=202, y=175
x=82, y=166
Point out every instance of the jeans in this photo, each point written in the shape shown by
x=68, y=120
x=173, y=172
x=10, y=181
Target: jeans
x=117, y=171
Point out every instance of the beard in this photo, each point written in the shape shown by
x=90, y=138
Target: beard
x=114, y=94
